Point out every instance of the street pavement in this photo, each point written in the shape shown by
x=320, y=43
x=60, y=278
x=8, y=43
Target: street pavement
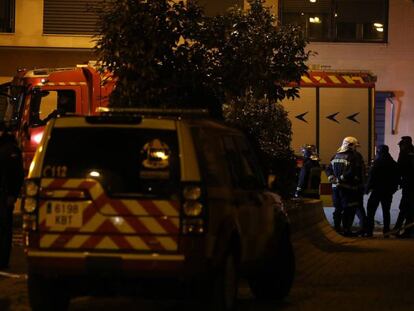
x=333, y=273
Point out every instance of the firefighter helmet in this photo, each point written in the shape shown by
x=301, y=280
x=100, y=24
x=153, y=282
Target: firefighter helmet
x=156, y=154
x=310, y=151
x=349, y=142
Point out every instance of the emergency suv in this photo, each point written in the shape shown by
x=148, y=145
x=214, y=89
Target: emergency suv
x=147, y=199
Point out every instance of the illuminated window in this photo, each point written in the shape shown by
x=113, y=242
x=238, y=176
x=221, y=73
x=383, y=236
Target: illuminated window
x=7, y=15
x=338, y=20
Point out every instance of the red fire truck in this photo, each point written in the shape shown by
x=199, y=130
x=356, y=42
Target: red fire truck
x=36, y=96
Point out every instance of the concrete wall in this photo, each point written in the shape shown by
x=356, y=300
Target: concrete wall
x=393, y=63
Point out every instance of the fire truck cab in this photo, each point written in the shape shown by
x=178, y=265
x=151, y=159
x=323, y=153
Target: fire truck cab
x=36, y=96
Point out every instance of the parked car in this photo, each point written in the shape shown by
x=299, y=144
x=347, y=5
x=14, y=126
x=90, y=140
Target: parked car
x=151, y=198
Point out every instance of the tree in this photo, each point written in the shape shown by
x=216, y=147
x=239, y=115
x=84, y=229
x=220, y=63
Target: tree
x=168, y=54
x=149, y=47
x=269, y=129
x=260, y=60
x=257, y=56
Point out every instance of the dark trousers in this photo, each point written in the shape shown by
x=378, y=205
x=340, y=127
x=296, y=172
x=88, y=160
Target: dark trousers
x=406, y=210
x=374, y=200
x=6, y=233
x=345, y=202
x=360, y=212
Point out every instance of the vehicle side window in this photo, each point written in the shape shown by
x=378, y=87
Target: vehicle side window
x=250, y=162
x=211, y=153
x=46, y=105
x=246, y=173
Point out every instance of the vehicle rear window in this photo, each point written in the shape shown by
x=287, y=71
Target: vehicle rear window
x=126, y=161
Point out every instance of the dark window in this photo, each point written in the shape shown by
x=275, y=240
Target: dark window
x=11, y=103
x=210, y=151
x=11, y=99
x=338, y=20
x=245, y=171
x=4, y=101
x=7, y=15
x=46, y=105
x=139, y=162
x=70, y=17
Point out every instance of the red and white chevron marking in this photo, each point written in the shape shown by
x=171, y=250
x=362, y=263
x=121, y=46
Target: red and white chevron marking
x=107, y=223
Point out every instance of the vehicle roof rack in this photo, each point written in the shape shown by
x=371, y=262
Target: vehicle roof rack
x=155, y=111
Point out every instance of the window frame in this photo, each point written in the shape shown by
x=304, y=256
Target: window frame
x=331, y=35
x=9, y=16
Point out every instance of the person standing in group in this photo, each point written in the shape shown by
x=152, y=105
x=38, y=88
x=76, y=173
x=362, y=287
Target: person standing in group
x=344, y=173
x=360, y=210
x=309, y=174
x=383, y=181
x=11, y=179
x=406, y=169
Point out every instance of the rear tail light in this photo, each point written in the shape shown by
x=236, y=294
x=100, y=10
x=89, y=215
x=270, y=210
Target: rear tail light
x=31, y=188
x=192, y=192
x=193, y=221
x=192, y=208
x=30, y=203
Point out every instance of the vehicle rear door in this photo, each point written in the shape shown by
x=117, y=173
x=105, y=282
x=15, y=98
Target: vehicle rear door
x=112, y=189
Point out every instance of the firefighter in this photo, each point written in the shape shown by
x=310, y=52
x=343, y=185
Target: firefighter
x=66, y=103
x=383, y=181
x=344, y=173
x=406, y=169
x=309, y=174
x=11, y=179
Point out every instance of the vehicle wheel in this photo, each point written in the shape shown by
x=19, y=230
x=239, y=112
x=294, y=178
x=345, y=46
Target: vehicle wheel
x=275, y=278
x=225, y=286
x=46, y=294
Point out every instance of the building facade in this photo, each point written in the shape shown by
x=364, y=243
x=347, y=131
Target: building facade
x=372, y=35
x=349, y=44
x=58, y=33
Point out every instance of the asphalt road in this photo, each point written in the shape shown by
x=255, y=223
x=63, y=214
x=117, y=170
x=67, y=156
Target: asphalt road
x=333, y=273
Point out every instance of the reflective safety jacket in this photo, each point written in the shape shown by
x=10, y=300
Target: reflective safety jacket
x=346, y=170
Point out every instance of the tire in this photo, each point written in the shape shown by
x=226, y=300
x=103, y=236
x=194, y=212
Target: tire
x=274, y=279
x=225, y=286
x=46, y=294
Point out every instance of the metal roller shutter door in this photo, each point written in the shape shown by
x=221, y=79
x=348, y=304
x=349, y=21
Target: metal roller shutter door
x=73, y=17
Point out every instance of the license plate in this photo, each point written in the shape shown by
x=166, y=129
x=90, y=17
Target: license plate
x=64, y=214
